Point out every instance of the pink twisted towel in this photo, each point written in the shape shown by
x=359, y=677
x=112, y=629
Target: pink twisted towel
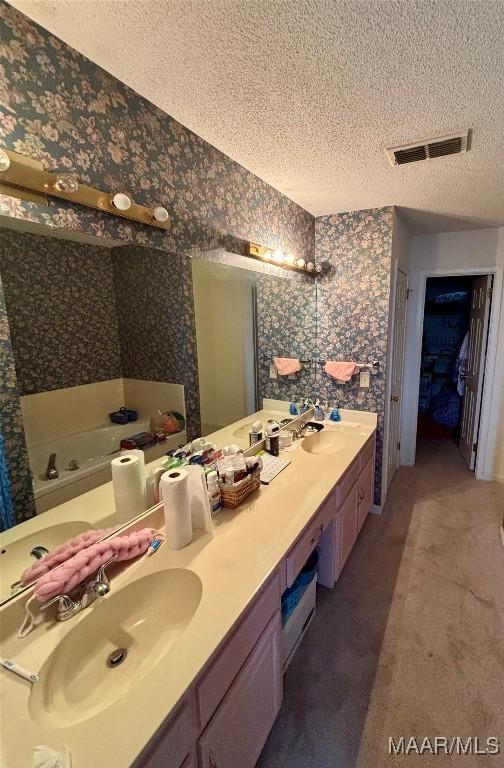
x=59, y=554
x=286, y=365
x=86, y=562
x=341, y=371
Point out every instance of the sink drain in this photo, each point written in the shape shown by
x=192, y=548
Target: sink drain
x=116, y=657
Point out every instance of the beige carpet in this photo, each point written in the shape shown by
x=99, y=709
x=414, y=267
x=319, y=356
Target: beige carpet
x=411, y=640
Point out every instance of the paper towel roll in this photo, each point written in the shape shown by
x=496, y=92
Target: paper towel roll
x=174, y=491
x=134, y=452
x=128, y=481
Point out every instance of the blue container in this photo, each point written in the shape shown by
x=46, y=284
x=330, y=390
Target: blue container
x=293, y=595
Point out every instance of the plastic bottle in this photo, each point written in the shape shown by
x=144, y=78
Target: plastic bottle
x=273, y=439
x=214, y=494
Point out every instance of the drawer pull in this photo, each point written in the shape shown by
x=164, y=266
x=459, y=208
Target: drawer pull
x=361, y=494
x=212, y=763
x=316, y=539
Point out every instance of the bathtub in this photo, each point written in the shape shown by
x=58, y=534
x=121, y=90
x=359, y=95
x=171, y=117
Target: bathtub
x=93, y=449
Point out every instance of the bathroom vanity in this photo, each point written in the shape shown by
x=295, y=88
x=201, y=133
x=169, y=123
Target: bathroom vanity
x=201, y=685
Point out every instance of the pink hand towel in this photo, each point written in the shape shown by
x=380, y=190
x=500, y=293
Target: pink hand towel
x=341, y=371
x=64, y=552
x=286, y=365
x=86, y=563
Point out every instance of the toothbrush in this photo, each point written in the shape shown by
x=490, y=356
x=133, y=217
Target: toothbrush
x=11, y=666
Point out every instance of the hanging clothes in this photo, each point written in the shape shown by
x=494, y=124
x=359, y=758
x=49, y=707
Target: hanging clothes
x=7, y=519
x=460, y=365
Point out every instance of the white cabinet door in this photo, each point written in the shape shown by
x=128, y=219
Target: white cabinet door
x=474, y=368
x=238, y=730
x=366, y=492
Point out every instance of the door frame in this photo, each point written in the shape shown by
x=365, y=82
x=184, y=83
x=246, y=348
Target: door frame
x=388, y=381
x=413, y=360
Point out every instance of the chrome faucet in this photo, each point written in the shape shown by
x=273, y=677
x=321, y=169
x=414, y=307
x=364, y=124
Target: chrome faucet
x=51, y=472
x=98, y=586
x=39, y=552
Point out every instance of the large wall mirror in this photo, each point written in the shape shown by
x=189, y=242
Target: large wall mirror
x=88, y=327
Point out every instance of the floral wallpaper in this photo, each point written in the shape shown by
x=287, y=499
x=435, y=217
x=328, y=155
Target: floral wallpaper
x=155, y=310
x=353, y=307
x=58, y=107
x=60, y=298
x=286, y=327
x=11, y=424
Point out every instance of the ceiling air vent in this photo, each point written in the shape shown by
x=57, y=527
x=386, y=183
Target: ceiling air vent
x=429, y=149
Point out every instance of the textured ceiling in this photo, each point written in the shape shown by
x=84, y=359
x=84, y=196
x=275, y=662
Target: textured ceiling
x=308, y=93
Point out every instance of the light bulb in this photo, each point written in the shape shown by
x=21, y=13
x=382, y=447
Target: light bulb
x=278, y=256
x=4, y=161
x=300, y=263
x=289, y=258
x=160, y=213
x=318, y=268
x=121, y=201
x=65, y=182
x=310, y=266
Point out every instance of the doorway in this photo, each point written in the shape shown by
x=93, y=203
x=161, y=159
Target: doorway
x=452, y=370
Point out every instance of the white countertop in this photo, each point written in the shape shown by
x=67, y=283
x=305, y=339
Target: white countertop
x=246, y=547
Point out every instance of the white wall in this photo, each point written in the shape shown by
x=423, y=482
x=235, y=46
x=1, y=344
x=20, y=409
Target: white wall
x=474, y=249
x=224, y=337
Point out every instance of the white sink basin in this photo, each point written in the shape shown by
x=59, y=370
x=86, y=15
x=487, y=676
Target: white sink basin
x=138, y=625
x=328, y=441
x=15, y=557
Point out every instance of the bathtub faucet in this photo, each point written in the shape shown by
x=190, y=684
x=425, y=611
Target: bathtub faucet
x=51, y=472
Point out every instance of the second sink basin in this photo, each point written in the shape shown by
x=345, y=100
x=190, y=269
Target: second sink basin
x=328, y=441
x=113, y=647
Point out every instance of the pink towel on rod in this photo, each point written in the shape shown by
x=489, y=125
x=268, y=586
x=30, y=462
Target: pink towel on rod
x=287, y=365
x=86, y=563
x=341, y=370
x=62, y=553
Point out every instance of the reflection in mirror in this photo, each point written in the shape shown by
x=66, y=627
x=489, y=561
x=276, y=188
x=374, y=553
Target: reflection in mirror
x=89, y=327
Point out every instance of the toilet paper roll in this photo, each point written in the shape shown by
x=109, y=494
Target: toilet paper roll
x=128, y=481
x=174, y=491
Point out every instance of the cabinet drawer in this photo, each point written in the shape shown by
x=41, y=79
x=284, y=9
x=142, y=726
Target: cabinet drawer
x=212, y=688
x=309, y=539
x=367, y=452
x=346, y=483
x=236, y=734
x=175, y=742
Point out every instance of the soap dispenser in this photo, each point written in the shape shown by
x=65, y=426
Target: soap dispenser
x=306, y=406
x=318, y=413
x=335, y=414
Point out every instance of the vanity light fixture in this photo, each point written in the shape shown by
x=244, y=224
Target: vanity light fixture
x=160, y=213
x=284, y=260
x=121, y=201
x=65, y=182
x=25, y=178
x=4, y=160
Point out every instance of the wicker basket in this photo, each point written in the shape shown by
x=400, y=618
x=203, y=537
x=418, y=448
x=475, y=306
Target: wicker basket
x=234, y=495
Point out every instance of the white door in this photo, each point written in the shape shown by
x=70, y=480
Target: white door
x=398, y=336
x=473, y=368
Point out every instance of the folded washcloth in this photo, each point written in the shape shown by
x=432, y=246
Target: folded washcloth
x=341, y=371
x=85, y=563
x=65, y=551
x=286, y=365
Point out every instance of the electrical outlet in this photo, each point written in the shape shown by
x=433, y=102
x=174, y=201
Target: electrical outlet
x=365, y=379
x=273, y=372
